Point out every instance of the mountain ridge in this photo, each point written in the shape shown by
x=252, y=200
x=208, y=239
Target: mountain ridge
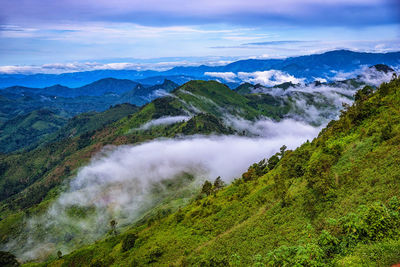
x=308, y=66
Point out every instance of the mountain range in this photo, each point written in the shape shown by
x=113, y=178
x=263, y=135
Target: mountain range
x=119, y=173
x=325, y=65
x=24, y=128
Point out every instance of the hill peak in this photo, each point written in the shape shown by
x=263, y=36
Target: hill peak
x=382, y=68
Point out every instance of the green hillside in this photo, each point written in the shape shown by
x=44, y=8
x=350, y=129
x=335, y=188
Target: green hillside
x=206, y=97
x=45, y=126
x=27, y=130
x=26, y=178
x=332, y=201
x=90, y=121
x=19, y=108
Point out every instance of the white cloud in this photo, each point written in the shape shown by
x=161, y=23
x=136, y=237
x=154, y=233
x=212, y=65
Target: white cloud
x=268, y=77
x=267, y=128
x=164, y=121
x=374, y=77
x=58, y=68
x=321, y=80
x=365, y=74
x=227, y=76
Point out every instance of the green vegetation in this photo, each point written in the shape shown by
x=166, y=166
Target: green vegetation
x=25, y=131
x=28, y=116
x=331, y=202
x=44, y=126
x=91, y=121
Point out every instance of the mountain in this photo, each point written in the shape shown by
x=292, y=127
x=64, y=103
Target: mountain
x=106, y=86
x=178, y=79
x=19, y=103
x=44, y=126
x=75, y=79
x=333, y=60
x=325, y=65
x=67, y=102
x=331, y=202
x=97, y=88
x=28, y=129
x=31, y=182
x=88, y=122
x=141, y=95
x=168, y=116
x=184, y=103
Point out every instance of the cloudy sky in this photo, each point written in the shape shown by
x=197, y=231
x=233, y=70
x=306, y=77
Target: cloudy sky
x=35, y=32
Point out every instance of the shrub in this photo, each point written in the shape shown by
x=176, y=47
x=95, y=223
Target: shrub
x=8, y=259
x=129, y=241
x=387, y=132
x=154, y=254
x=328, y=243
x=307, y=255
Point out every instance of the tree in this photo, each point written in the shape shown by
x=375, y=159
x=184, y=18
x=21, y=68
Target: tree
x=113, y=225
x=207, y=188
x=363, y=94
x=218, y=184
x=273, y=161
x=282, y=151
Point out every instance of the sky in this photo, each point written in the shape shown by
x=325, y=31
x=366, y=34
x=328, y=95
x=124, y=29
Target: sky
x=158, y=34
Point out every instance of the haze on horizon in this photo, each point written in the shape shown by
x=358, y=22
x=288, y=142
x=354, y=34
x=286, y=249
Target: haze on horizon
x=72, y=34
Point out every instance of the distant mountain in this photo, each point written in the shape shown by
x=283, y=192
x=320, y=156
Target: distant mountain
x=141, y=95
x=97, y=88
x=106, y=86
x=97, y=96
x=178, y=79
x=21, y=109
x=45, y=126
x=75, y=79
x=323, y=65
x=247, y=101
x=343, y=60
